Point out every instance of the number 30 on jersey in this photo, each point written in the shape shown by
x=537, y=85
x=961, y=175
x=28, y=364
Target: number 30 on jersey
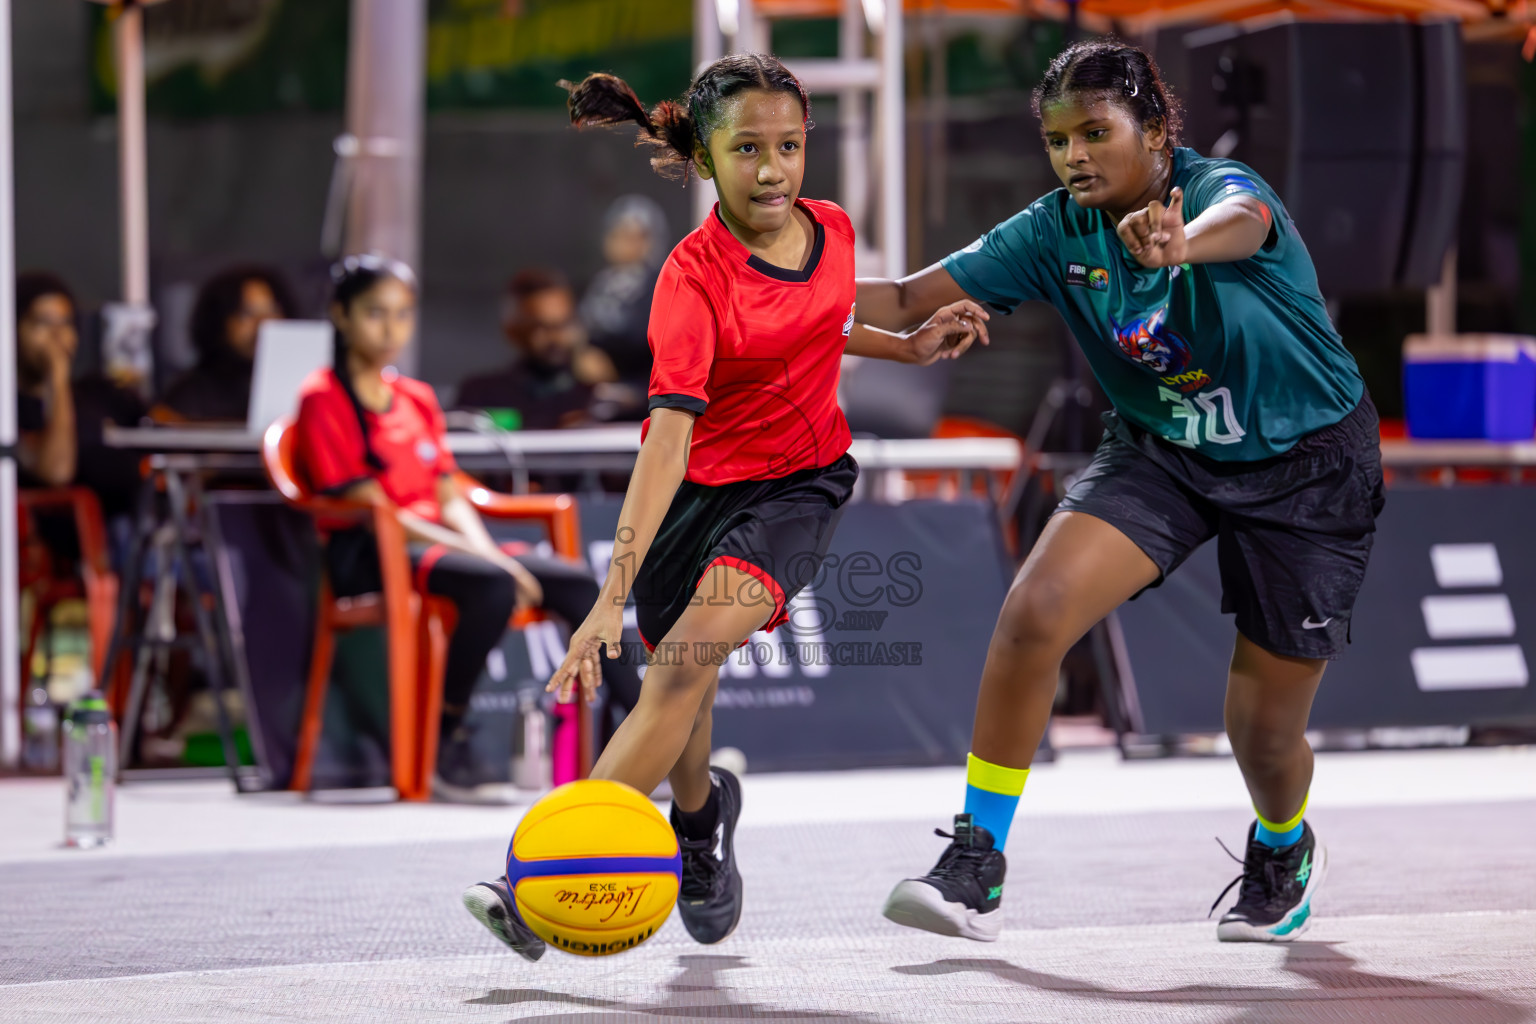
x=1209, y=416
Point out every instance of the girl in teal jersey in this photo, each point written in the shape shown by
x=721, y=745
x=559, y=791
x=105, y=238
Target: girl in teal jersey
x=1238, y=415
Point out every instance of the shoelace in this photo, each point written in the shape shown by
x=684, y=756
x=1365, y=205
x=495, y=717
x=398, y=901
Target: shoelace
x=700, y=867
x=1264, y=888
x=958, y=861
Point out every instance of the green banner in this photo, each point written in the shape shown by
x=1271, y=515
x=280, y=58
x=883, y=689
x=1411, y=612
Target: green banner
x=229, y=57
x=217, y=57
x=510, y=53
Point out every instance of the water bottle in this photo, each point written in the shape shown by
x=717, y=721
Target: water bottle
x=90, y=770
x=530, y=744
x=40, y=748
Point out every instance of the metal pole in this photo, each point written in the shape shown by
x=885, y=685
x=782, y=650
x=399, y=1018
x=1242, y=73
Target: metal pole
x=386, y=85
x=127, y=323
x=937, y=127
x=708, y=47
x=133, y=177
x=752, y=30
x=853, y=125
x=706, y=34
x=386, y=101
x=893, y=174
x=10, y=625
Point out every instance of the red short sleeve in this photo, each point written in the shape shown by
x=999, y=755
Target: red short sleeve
x=329, y=442
x=682, y=335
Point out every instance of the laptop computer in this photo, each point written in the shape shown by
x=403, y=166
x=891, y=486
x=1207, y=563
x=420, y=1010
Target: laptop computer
x=287, y=352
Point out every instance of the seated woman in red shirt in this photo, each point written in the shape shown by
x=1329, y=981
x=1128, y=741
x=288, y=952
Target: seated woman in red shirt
x=366, y=433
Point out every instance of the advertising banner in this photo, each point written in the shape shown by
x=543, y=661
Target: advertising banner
x=230, y=57
x=878, y=665
x=1443, y=633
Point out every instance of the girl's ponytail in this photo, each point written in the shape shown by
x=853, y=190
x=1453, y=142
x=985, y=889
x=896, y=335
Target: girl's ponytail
x=677, y=128
x=344, y=375
x=602, y=101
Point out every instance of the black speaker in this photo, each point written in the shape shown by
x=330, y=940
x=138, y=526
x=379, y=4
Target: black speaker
x=1360, y=127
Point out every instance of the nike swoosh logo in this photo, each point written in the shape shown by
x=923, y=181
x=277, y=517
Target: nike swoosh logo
x=1307, y=623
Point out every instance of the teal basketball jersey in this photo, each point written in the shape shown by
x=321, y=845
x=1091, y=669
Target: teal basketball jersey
x=1235, y=360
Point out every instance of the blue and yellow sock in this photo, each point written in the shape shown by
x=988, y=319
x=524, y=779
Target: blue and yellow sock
x=992, y=795
x=1277, y=837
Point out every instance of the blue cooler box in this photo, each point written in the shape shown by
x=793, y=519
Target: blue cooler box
x=1464, y=386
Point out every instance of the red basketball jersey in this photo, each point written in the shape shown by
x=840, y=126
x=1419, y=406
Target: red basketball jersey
x=408, y=437
x=755, y=350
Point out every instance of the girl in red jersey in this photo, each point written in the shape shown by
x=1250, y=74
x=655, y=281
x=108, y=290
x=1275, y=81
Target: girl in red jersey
x=366, y=433
x=743, y=468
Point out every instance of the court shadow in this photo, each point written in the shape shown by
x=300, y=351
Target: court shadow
x=696, y=992
x=1334, y=979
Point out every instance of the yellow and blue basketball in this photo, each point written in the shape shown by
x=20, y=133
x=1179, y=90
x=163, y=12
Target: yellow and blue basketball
x=594, y=868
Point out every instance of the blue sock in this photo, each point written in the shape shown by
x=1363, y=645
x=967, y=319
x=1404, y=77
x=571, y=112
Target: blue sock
x=992, y=795
x=1277, y=837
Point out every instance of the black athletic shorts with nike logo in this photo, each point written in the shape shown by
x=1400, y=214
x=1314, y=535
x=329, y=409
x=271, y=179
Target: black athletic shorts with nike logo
x=777, y=531
x=1293, y=532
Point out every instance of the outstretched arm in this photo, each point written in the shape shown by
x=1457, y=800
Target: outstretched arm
x=900, y=305
x=659, y=470
x=452, y=534
x=1229, y=231
x=945, y=335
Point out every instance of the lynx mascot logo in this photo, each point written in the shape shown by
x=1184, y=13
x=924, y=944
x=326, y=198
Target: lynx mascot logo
x=1148, y=342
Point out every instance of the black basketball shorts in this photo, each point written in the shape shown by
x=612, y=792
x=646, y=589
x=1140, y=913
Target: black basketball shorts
x=1293, y=532
x=775, y=530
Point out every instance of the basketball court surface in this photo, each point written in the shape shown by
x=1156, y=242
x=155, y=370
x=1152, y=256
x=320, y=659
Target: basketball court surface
x=212, y=908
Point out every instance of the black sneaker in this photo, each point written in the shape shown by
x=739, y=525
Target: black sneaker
x=1275, y=901
x=710, y=898
x=491, y=904
x=963, y=893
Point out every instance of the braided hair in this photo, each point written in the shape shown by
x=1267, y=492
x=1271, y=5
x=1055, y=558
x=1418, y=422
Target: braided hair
x=1124, y=75
x=352, y=278
x=675, y=127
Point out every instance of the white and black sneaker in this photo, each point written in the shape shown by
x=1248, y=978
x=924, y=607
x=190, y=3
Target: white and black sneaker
x=709, y=900
x=1274, y=903
x=962, y=895
x=491, y=904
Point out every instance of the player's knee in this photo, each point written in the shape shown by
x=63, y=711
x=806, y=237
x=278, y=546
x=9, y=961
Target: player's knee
x=681, y=679
x=1035, y=615
x=1258, y=743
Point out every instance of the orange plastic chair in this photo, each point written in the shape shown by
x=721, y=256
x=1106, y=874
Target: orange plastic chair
x=946, y=483
x=417, y=627
x=95, y=582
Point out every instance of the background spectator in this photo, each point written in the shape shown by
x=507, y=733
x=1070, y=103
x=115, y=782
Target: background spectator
x=60, y=420
x=550, y=383
x=616, y=307
x=46, y=339
x=230, y=309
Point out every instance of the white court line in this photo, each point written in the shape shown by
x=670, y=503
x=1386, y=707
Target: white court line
x=674, y=940
x=1408, y=969
x=164, y=818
